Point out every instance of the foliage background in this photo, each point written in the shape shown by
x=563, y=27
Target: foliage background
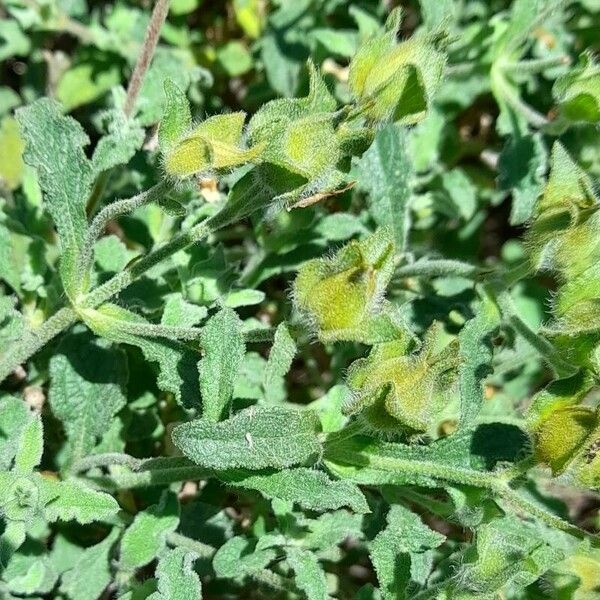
x=460, y=186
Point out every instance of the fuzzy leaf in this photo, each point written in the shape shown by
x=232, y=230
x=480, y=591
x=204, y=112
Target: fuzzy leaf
x=177, y=118
x=309, y=574
x=238, y=558
x=177, y=579
x=475, y=359
x=521, y=165
x=145, y=537
x=54, y=146
x=223, y=346
x=91, y=573
x=14, y=417
x=280, y=360
x=393, y=549
x=87, y=379
x=180, y=313
x=177, y=365
x=255, y=438
x=309, y=488
x=73, y=501
x=31, y=446
x=384, y=172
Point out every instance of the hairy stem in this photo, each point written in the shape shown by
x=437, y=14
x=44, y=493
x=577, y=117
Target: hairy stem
x=32, y=341
x=562, y=367
x=120, y=281
x=158, y=17
x=437, y=268
x=497, y=482
x=112, y=211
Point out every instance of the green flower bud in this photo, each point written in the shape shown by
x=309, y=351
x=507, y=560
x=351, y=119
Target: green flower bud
x=396, y=391
x=578, y=92
x=214, y=144
x=562, y=234
x=341, y=295
x=299, y=134
x=560, y=436
x=396, y=81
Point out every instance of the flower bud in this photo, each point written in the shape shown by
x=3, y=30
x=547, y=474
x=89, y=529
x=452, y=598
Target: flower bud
x=214, y=144
x=396, y=81
x=561, y=435
x=340, y=295
x=396, y=391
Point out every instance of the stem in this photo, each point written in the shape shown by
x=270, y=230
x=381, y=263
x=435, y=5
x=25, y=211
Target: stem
x=104, y=460
x=437, y=268
x=120, y=281
x=532, y=116
x=148, y=473
x=562, y=367
x=537, y=65
x=497, y=482
x=158, y=17
x=32, y=341
x=112, y=211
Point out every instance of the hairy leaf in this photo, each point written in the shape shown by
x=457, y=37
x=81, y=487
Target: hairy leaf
x=223, y=347
x=255, y=438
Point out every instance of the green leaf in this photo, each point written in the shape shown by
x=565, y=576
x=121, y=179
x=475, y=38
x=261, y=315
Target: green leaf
x=280, y=360
x=393, y=550
x=238, y=558
x=180, y=313
x=384, y=172
x=54, y=146
x=177, y=579
x=29, y=574
x=124, y=138
x=371, y=462
x=255, y=438
x=111, y=255
x=309, y=488
x=73, y=501
x=14, y=417
x=234, y=58
x=145, y=538
x=31, y=446
x=177, y=363
x=522, y=164
x=92, y=76
x=11, y=155
x=87, y=378
x=309, y=574
x=91, y=573
x=475, y=352
x=223, y=347
x=177, y=118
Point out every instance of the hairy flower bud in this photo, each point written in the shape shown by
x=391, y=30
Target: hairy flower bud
x=396, y=391
x=341, y=295
x=396, y=81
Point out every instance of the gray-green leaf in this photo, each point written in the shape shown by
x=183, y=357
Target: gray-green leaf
x=384, y=172
x=255, y=438
x=309, y=574
x=146, y=536
x=223, y=345
x=309, y=488
x=54, y=146
x=87, y=378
